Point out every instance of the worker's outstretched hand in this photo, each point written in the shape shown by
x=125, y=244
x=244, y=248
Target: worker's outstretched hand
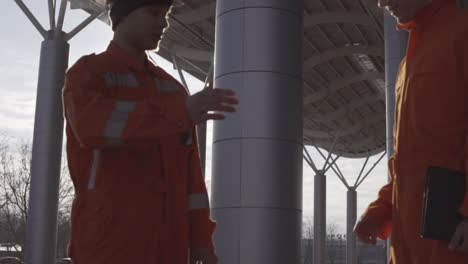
x=460, y=238
x=367, y=230
x=203, y=256
x=211, y=104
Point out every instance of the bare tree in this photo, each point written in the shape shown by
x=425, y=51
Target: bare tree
x=333, y=243
x=15, y=182
x=332, y=229
x=308, y=242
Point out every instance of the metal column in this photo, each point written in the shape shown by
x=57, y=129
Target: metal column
x=257, y=152
x=320, y=217
x=395, y=50
x=46, y=153
x=319, y=213
x=41, y=238
x=351, y=250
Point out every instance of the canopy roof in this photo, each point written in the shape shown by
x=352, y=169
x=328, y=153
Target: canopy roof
x=344, y=93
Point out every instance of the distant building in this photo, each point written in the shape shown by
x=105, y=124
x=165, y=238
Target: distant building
x=336, y=251
x=10, y=250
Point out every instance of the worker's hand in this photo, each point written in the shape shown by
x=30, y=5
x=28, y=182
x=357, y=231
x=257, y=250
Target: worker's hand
x=203, y=256
x=460, y=238
x=219, y=101
x=367, y=230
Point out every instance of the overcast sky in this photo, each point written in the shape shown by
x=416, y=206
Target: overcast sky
x=19, y=57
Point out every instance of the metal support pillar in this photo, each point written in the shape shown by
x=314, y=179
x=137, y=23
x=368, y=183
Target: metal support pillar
x=41, y=239
x=320, y=199
x=46, y=154
x=257, y=159
x=320, y=217
x=351, y=250
x=395, y=50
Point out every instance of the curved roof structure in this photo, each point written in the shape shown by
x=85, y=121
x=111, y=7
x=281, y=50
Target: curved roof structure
x=344, y=87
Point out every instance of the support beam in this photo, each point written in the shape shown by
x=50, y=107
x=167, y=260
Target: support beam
x=334, y=53
x=32, y=18
x=199, y=14
x=348, y=130
x=191, y=53
x=358, y=150
x=83, y=24
x=51, y=14
x=342, y=83
x=190, y=67
x=338, y=17
x=358, y=183
x=61, y=17
x=343, y=111
x=179, y=70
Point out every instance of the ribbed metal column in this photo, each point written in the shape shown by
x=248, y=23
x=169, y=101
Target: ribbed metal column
x=46, y=153
x=395, y=50
x=257, y=152
x=351, y=250
x=320, y=217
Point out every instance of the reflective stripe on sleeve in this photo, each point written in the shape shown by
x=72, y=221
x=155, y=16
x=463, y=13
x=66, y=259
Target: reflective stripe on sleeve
x=199, y=201
x=118, y=121
x=94, y=167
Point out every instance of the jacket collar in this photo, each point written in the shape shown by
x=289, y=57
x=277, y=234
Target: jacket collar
x=122, y=56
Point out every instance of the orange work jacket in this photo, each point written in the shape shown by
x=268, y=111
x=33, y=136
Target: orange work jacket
x=134, y=162
x=431, y=129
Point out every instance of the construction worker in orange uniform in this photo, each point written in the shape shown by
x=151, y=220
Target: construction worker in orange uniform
x=132, y=150
x=431, y=129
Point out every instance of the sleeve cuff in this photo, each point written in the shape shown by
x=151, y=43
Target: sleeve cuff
x=383, y=218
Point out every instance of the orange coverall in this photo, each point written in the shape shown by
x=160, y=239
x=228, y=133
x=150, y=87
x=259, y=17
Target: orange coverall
x=133, y=158
x=431, y=129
